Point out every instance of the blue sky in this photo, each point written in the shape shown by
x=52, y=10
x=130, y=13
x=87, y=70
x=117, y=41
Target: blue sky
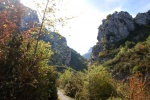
x=81, y=32
x=132, y=6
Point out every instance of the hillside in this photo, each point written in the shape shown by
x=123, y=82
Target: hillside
x=63, y=55
x=123, y=46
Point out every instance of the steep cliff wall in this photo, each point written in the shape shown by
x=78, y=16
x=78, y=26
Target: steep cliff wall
x=123, y=45
x=118, y=28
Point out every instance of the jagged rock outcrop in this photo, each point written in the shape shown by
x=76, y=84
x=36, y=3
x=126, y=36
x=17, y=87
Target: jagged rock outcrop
x=95, y=51
x=115, y=28
x=142, y=18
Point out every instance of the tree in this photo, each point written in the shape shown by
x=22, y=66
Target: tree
x=100, y=84
x=22, y=75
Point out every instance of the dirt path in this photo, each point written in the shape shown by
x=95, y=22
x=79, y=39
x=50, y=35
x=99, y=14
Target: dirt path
x=62, y=96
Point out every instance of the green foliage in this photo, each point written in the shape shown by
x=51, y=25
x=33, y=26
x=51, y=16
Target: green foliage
x=77, y=61
x=22, y=74
x=122, y=51
x=107, y=54
x=100, y=84
x=65, y=77
x=132, y=53
x=83, y=94
x=135, y=69
x=129, y=44
x=74, y=85
x=130, y=59
x=72, y=82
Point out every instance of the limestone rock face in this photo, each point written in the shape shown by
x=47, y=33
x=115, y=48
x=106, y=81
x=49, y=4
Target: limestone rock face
x=113, y=29
x=116, y=27
x=142, y=18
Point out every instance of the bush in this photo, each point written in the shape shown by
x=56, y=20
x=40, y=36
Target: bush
x=73, y=86
x=100, y=84
x=72, y=82
x=65, y=77
x=22, y=74
x=137, y=87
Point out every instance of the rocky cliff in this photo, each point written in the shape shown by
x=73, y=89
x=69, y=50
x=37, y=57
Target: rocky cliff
x=63, y=55
x=123, y=45
x=118, y=28
x=59, y=45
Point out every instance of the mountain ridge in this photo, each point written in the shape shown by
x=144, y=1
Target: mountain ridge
x=123, y=48
x=117, y=27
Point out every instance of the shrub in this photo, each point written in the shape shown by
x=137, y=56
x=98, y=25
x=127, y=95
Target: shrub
x=73, y=86
x=65, y=77
x=83, y=94
x=100, y=84
x=72, y=82
x=136, y=89
x=22, y=74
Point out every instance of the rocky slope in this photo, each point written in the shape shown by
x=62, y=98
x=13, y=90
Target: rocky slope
x=116, y=28
x=123, y=45
x=63, y=56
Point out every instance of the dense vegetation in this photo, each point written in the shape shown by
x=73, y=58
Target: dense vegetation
x=24, y=70
x=121, y=71
x=98, y=84
x=77, y=61
x=27, y=61
x=129, y=55
x=27, y=64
